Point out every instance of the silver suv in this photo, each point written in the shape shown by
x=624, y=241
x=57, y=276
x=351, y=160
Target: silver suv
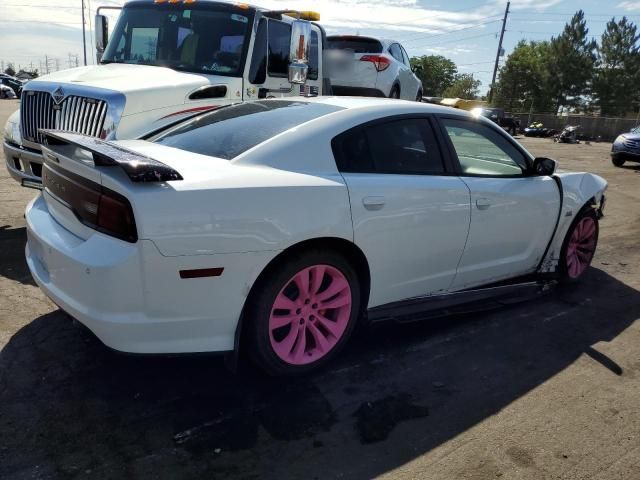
x=371, y=67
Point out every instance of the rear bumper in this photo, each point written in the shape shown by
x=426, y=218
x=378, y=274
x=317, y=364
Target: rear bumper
x=356, y=91
x=23, y=164
x=132, y=297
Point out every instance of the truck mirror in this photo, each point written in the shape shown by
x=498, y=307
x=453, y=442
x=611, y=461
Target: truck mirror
x=299, y=51
x=101, y=25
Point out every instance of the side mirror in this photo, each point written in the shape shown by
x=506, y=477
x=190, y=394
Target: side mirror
x=544, y=166
x=101, y=26
x=299, y=51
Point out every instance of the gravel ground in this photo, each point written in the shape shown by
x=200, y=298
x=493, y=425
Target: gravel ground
x=549, y=388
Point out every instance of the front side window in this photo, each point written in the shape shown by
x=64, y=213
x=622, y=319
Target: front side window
x=232, y=130
x=203, y=39
x=405, y=146
x=279, y=44
x=483, y=151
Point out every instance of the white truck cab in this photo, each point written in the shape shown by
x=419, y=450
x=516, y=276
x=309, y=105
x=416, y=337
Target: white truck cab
x=166, y=60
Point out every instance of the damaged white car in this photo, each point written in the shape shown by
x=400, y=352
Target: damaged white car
x=274, y=227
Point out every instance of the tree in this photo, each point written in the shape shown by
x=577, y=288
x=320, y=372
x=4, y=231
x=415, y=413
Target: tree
x=570, y=63
x=436, y=72
x=464, y=86
x=522, y=79
x=10, y=70
x=616, y=82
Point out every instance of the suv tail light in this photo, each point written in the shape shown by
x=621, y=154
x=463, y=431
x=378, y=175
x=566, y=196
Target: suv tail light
x=379, y=61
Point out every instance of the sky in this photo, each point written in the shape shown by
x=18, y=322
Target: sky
x=466, y=31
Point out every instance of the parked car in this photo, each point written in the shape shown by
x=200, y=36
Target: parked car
x=500, y=117
x=626, y=147
x=6, y=91
x=274, y=227
x=537, y=129
x=14, y=84
x=371, y=67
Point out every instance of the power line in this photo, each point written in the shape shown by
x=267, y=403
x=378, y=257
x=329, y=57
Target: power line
x=449, y=32
x=491, y=34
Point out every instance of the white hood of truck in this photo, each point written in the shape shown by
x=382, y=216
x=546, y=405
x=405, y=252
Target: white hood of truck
x=145, y=87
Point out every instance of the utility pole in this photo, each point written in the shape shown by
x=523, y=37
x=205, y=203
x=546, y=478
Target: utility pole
x=84, y=40
x=495, y=67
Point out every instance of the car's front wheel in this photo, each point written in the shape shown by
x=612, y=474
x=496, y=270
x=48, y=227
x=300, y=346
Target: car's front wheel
x=579, y=245
x=303, y=312
x=617, y=161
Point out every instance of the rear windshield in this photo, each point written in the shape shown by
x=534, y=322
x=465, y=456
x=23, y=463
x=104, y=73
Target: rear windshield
x=231, y=131
x=357, y=44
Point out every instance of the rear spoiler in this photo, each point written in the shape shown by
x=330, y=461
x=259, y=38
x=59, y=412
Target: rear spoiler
x=138, y=167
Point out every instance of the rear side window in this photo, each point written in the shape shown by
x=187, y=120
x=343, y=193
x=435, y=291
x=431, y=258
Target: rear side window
x=230, y=131
x=357, y=44
x=395, y=52
x=405, y=146
x=279, y=40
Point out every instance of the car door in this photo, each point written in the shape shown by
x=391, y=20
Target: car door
x=268, y=72
x=410, y=215
x=407, y=91
x=513, y=212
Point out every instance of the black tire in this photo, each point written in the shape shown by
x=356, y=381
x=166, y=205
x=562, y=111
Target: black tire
x=419, y=96
x=563, y=267
x=617, y=161
x=395, y=92
x=262, y=298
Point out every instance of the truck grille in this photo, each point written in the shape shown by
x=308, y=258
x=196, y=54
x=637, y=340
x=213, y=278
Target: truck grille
x=74, y=114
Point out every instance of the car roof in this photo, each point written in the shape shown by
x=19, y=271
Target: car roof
x=351, y=103
x=384, y=41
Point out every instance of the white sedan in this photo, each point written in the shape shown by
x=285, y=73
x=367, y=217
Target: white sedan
x=274, y=227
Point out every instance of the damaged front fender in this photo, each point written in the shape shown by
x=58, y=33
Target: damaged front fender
x=578, y=191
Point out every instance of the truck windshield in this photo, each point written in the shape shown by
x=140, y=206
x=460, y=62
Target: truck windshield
x=209, y=38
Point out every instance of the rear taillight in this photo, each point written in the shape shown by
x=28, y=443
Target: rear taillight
x=95, y=206
x=379, y=61
x=115, y=216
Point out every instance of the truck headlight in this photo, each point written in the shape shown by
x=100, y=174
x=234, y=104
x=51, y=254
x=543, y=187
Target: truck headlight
x=12, y=130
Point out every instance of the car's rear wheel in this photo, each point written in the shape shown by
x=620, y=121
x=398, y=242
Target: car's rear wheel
x=579, y=245
x=419, y=96
x=395, y=92
x=617, y=161
x=303, y=312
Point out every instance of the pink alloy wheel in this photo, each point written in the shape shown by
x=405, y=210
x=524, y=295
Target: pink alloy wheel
x=582, y=246
x=310, y=314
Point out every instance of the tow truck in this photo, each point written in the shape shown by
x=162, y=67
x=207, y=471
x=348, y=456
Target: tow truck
x=166, y=60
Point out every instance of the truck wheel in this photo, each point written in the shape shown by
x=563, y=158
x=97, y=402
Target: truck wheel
x=617, y=161
x=303, y=312
x=579, y=245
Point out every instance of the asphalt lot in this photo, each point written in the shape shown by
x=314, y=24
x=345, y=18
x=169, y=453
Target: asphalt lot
x=544, y=389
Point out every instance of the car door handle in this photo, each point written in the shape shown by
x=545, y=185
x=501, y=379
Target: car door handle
x=373, y=203
x=483, y=203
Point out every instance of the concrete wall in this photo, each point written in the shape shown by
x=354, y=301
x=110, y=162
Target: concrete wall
x=591, y=127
